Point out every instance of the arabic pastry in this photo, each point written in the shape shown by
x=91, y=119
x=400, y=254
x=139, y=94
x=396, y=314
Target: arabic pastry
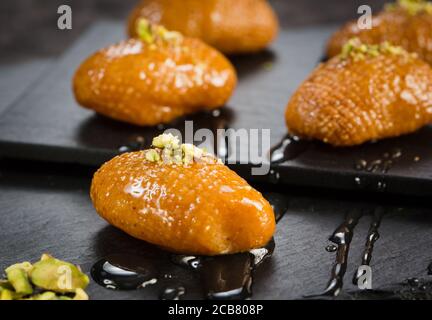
x=241, y=26
x=408, y=24
x=154, y=79
x=182, y=199
x=367, y=92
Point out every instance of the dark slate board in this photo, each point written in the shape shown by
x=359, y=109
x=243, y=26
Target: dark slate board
x=47, y=124
x=45, y=208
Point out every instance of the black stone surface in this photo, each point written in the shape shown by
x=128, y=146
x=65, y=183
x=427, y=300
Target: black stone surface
x=47, y=124
x=46, y=208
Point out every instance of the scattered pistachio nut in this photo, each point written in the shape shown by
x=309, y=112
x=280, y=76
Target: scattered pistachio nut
x=56, y=275
x=357, y=50
x=52, y=279
x=166, y=141
x=6, y=294
x=167, y=149
x=18, y=278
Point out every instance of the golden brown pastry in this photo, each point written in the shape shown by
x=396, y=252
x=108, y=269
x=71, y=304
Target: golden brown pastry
x=154, y=79
x=365, y=93
x=240, y=26
x=407, y=24
x=183, y=199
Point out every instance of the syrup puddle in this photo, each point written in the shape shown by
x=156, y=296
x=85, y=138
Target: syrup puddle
x=222, y=277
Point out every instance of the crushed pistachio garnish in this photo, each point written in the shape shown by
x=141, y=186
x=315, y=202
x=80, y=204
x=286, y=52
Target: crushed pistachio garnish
x=413, y=7
x=150, y=33
x=49, y=278
x=167, y=149
x=357, y=50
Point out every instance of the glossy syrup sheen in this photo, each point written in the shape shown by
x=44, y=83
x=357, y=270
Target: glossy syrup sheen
x=347, y=102
x=149, y=84
x=201, y=208
x=222, y=277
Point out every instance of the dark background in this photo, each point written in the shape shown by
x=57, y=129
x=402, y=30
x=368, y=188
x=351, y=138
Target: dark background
x=28, y=28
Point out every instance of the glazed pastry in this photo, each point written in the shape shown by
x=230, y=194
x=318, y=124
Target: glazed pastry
x=365, y=93
x=407, y=24
x=154, y=79
x=240, y=26
x=182, y=199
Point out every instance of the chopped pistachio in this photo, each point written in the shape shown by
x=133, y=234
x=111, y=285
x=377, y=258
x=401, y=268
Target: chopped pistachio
x=56, y=275
x=173, y=153
x=144, y=31
x=148, y=32
x=6, y=294
x=152, y=155
x=357, y=50
x=26, y=266
x=166, y=140
x=47, y=295
x=413, y=7
x=45, y=256
x=4, y=284
x=18, y=278
x=190, y=152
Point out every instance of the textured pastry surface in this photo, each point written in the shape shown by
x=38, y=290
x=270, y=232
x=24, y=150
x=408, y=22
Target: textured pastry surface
x=350, y=100
x=400, y=26
x=203, y=208
x=239, y=26
x=151, y=83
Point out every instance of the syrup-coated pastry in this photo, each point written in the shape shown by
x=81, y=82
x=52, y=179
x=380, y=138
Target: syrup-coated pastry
x=183, y=199
x=154, y=79
x=365, y=93
x=240, y=26
x=408, y=24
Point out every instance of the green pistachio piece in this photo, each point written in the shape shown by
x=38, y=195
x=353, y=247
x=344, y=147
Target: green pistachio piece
x=166, y=141
x=144, y=30
x=47, y=295
x=357, y=50
x=6, y=294
x=18, y=278
x=4, y=284
x=56, y=275
x=152, y=155
x=26, y=266
x=80, y=294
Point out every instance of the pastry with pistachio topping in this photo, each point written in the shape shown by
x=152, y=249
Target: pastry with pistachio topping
x=406, y=23
x=155, y=78
x=183, y=199
x=240, y=26
x=367, y=92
